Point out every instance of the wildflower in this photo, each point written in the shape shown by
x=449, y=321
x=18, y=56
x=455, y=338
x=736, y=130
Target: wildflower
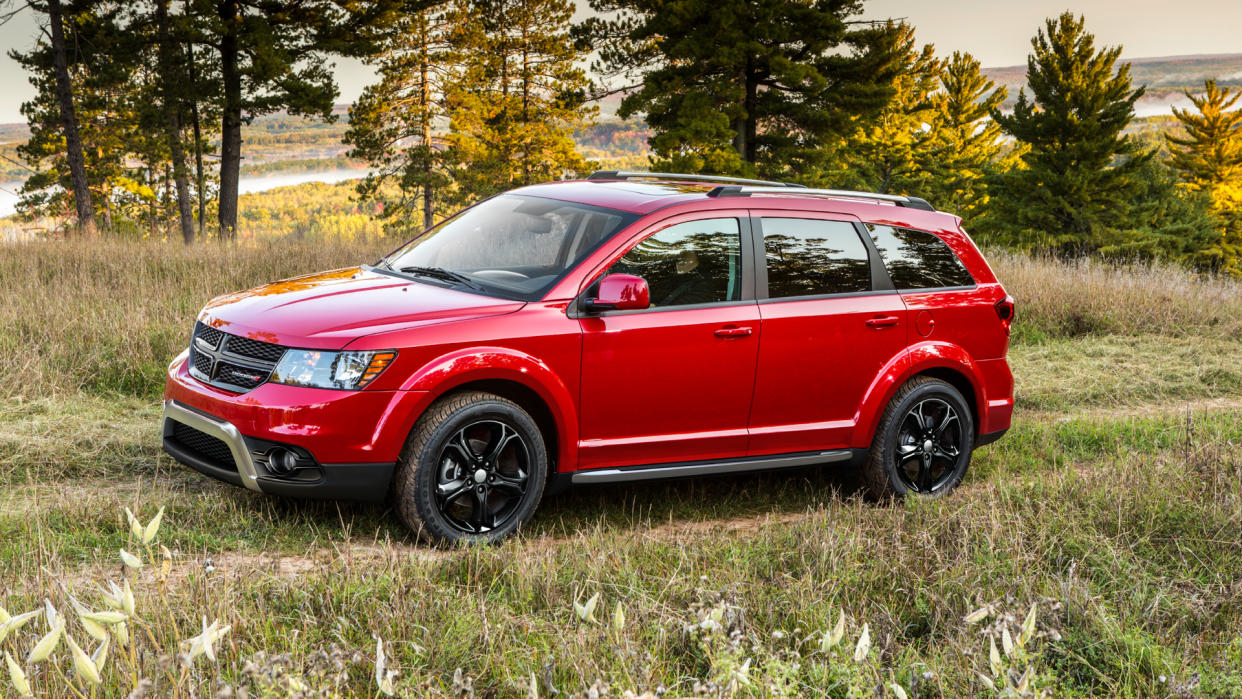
x=898, y=691
x=618, y=618
x=82, y=663
x=832, y=638
x=17, y=676
x=204, y=643
x=383, y=676
x=586, y=612
x=1006, y=641
x=43, y=649
x=14, y=623
x=864, y=645
x=978, y=615
x=152, y=528
x=994, y=660
x=135, y=527
x=130, y=560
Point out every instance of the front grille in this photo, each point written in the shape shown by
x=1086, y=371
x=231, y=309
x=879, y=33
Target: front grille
x=208, y=334
x=240, y=376
x=254, y=349
x=203, y=444
x=231, y=362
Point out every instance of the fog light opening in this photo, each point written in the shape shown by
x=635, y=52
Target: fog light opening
x=281, y=461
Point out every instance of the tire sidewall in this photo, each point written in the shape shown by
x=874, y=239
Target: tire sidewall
x=426, y=466
x=887, y=437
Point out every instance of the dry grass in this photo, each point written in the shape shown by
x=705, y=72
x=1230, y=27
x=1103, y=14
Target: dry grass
x=106, y=316
x=1092, y=297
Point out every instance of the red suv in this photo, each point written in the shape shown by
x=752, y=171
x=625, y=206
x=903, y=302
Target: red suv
x=626, y=327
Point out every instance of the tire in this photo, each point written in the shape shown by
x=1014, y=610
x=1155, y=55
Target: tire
x=907, y=457
x=451, y=488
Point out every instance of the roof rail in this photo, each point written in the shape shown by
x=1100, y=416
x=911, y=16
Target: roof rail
x=743, y=191
x=632, y=175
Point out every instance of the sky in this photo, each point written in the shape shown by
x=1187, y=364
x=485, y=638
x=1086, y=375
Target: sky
x=997, y=32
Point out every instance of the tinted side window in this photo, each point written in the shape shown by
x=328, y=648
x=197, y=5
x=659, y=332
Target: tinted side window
x=918, y=260
x=692, y=262
x=807, y=257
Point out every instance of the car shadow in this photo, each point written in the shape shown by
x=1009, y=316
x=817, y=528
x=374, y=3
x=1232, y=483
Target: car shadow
x=615, y=507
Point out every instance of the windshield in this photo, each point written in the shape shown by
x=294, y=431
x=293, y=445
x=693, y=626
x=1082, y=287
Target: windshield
x=511, y=245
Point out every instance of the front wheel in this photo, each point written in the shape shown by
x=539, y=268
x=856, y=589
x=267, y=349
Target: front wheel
x=473, y=469
x=923, y=442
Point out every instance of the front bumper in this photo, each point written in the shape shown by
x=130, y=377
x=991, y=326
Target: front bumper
x=348, y=442
x=245, y=462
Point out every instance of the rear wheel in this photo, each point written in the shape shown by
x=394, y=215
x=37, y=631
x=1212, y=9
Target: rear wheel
x=923, y=443
x=473, y=469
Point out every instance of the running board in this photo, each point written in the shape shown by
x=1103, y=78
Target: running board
x=707, y=468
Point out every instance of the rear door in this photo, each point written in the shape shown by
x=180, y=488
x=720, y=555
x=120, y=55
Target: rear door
x=831, y=326
x=673, y=382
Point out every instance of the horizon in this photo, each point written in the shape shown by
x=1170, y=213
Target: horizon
x=1146, y=30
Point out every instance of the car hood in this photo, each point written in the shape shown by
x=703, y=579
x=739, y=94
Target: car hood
x=329, y=309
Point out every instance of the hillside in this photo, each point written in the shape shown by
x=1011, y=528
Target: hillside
x=1166, y=78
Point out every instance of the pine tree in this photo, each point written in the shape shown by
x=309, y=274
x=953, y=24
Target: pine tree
x=519, y=97
x=1077, y=179
x=743, y=86
x=888, y=152
x=1209, y=160
x=392, y=125
x=966, y=145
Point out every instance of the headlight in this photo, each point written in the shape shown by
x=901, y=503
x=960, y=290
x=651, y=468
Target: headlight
x=339, y=370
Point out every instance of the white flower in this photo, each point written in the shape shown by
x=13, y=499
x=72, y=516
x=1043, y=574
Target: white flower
x=82, y=663
x=586, y=612
x=204, y=643
x=383, y=676
x=17, y=676
x=864, y=645
x=130, y=560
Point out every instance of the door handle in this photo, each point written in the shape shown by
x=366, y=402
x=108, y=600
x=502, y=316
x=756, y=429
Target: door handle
x=883, y=321
x=732, y=331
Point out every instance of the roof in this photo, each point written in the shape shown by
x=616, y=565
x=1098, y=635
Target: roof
x=643, y=196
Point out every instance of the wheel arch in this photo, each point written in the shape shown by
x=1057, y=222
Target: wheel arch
x=941, y=360
x=512, y=375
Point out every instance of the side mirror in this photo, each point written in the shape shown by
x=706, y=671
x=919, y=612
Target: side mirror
x=620, y=292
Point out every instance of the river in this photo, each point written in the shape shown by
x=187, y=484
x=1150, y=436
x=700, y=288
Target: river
x=8, y=190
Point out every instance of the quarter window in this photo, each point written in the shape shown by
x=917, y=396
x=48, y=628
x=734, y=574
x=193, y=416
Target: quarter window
x=918, y=260
x=809, y=257
x=689, y=263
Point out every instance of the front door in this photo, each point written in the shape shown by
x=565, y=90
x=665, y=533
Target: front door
x=828, y=333
x=673, y=382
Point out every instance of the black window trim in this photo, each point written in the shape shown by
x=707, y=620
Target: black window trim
x=577, y=307
x=862, y=227
x=881, y=283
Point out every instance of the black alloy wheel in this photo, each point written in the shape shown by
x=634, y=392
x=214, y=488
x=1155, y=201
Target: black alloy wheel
x=923, y=442
x=473, y=470
x=928, y=446
x=482, y=477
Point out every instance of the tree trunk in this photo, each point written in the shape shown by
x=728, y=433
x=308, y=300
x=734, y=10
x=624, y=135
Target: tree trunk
x=199, y=178
x=230, y=121
x=69, y=122
x=429, y=211
x=172, y=122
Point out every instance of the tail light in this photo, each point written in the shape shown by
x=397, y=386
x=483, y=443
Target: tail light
x=1005, y=311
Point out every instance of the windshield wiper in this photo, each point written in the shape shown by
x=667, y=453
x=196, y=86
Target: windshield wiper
x=441, y=273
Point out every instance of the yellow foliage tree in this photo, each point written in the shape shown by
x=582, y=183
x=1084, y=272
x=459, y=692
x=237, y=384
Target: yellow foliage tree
x=1209, y=159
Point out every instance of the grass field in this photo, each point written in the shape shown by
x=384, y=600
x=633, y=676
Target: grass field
x=1113, y=508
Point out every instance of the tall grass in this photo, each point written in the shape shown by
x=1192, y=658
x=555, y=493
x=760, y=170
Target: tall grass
x=1093, y=297
x=105, y=316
